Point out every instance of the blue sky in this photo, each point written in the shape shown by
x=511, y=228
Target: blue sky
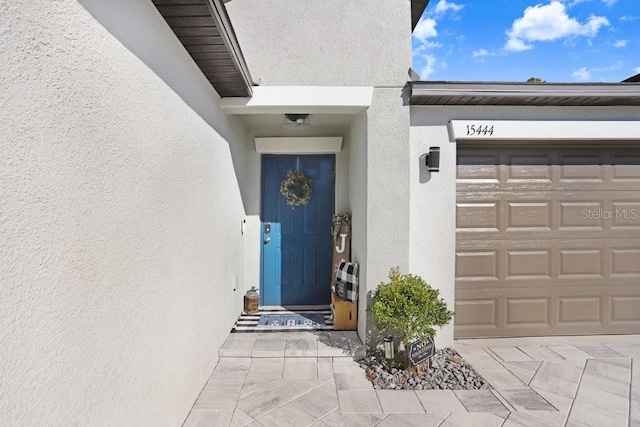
x=512, y=40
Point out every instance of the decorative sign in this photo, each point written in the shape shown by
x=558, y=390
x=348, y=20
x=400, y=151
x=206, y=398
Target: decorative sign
x=420, y=351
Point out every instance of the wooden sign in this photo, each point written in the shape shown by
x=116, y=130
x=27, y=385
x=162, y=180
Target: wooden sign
x=420, y=351
x=341, y=248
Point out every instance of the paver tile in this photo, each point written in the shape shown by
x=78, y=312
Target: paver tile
x=330, y=387
x=266, y=368
x=240, y=419
x=596, y=417
x=358, y=402
x=216, y=400
x=268, y=347
x=480, y=401
x=634, y=409
x=301, y=347
x=238, y=345
x=353, y=381
x=570, y=352
x=256, y=385
x=510, y=354
x=336, y=419
x=601, y=398
x=557, y=386
x=279, y=393
x=502, y=378
x=540, y=352
x=598, y=350
x=561, y=403
x=619, y=388
x=440, y=401
x=535, y=419
x=300, y=368
x=343, y=365
x=285, y=416
x=317, y=403
x=524, y=371
x=614, y=368
x=525, y=399
x=413, y=420
x=472, y=419
x=628, y=350
x=234, y=384
x=204, y=418
x=334, y=344
x=398, y=401
x=324, y=370
x=569, y=370
x=232, y=368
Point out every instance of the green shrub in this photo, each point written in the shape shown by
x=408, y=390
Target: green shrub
x=408, y=307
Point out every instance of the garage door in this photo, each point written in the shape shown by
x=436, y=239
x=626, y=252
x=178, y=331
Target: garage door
x=548, y=241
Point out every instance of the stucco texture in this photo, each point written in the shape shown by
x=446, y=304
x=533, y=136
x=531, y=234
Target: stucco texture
x=120, y=218
x=332, y=42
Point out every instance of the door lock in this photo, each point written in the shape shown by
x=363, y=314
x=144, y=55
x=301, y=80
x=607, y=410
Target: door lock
x=267, y=228
x=267, y=240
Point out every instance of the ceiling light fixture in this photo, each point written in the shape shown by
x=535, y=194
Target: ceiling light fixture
x=296, y=119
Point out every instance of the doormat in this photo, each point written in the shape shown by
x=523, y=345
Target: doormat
x=291, y=320
x=277, y=320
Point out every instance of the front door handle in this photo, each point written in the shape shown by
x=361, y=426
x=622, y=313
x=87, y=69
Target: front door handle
x=267, y=240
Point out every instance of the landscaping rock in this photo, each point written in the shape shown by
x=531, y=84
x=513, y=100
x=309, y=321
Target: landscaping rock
x=447, y=371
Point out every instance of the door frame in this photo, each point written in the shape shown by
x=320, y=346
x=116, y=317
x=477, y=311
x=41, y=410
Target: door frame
x=333, y=158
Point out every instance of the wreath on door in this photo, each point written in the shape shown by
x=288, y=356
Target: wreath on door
x=296, y=189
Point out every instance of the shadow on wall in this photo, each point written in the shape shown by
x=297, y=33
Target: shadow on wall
x=140, y=28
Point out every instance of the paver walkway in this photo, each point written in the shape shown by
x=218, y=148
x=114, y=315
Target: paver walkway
x=311, y=378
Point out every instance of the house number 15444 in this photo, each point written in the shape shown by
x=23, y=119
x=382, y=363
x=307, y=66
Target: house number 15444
x=479, y=130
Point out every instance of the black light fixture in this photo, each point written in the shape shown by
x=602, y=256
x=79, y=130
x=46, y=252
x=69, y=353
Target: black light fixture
x=296, y=119
x=432, y=160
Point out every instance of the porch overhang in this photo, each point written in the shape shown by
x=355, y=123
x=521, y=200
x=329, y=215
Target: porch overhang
x=204, y=29
x=302, y=99
x=524, y=94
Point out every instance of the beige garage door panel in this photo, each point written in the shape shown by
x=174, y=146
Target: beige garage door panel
x=548, y=241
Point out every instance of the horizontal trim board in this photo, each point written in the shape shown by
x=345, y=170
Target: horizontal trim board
x=299, y=145
x=509, y=130
x=302, y=99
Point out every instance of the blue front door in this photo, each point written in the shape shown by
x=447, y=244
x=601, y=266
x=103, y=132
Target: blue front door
x=296, y=243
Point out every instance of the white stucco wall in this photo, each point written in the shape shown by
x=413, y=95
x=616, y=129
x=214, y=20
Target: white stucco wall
x=120, y=217
x=433, y=207
x=357, y=140
x=332, y=42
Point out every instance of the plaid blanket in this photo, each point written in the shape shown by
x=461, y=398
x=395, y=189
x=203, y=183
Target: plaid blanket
x=347, y=281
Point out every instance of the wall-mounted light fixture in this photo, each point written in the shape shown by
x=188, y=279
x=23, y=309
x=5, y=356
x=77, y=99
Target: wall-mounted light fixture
x=432, y=160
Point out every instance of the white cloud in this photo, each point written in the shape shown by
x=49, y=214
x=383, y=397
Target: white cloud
x=582, y=74
x=636, y=70
x=546, y=23
x=429, y=67
x=609, y=2
x=480, y=53
x=444, y=6
x=425, y=28
x=629, y=18
x=620, y=43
